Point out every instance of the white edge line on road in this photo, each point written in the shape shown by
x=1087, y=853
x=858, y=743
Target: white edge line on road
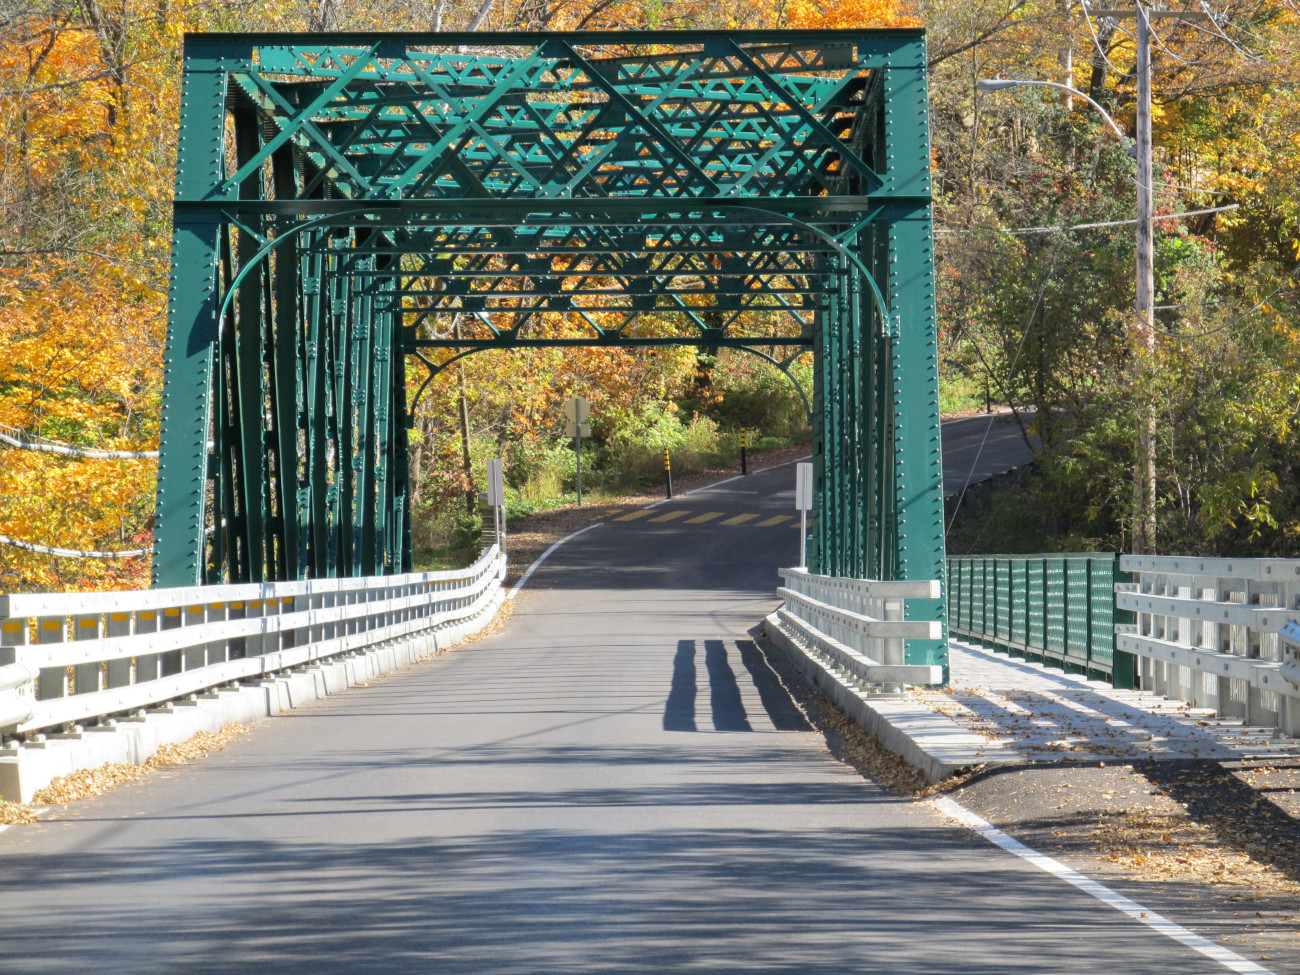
x=542, y=558
x=705, y=487
x=1228, y=959
x=952, y=420
x=786, y=464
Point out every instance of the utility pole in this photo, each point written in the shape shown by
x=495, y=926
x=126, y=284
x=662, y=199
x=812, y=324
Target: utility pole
x=1144, y=530
x=1144, y=473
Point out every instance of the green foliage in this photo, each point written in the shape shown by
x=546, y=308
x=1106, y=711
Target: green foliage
x=635, y=448
x=756, y=396
x=1045, y=318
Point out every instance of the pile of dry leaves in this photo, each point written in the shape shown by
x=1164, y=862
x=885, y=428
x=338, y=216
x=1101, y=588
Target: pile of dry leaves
x=88, y=783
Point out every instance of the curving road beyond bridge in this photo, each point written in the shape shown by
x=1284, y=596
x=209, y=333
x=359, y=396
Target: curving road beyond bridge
x=617, y=781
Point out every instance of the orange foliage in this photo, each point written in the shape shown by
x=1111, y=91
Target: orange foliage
x=82, y=304
x=849, y=14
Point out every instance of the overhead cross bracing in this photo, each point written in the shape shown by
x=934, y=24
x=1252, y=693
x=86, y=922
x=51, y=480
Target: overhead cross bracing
x=354, y=210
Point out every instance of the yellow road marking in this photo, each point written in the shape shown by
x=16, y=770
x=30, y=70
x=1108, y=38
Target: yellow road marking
x=739, y=519
x=671, y=515
x=634, y=514
x=773, y=521
x=707, y=516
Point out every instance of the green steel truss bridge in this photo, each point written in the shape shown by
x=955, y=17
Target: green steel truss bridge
x=354, y=212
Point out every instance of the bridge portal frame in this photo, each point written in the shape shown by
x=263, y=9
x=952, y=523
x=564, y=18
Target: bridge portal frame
x=336, y=193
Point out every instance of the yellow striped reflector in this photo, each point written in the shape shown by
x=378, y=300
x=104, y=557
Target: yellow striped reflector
x=671, y=515
x=739, y=519
x=634, y=514
x=707, y=516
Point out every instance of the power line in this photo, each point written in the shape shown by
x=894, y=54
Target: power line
x=1237, y=318
x=1085, y=226
x=23, y=440
x=72, y=553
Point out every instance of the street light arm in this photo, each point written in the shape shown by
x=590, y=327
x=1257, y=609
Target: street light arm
x=998, y=84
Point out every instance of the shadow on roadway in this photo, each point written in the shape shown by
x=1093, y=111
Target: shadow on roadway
x=722, y=897
x=727, y=709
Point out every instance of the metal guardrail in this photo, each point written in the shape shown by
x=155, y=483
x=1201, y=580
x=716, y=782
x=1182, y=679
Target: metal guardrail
x=72, y=657
x=1220, y=633
x=857, y=626
x=1054, y=608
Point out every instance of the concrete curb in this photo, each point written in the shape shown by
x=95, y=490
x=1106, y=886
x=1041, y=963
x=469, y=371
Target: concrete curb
x=27, y=768
x=932, y=742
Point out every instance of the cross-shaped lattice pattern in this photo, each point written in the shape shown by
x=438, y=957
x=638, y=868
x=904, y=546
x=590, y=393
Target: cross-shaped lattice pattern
x=350, y=203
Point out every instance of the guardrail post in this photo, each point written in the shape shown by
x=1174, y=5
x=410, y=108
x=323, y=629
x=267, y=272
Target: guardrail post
x=254, y=645
x=218, y=651
x=171, y=662
x=13, y=634
x=117, y=671
x=195, y=657
x=291, y=604
x=148, y=666
x=87, y=678
x=53, y=681
x=237, y=648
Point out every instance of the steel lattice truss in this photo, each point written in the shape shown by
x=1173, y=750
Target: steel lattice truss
x=348, y=205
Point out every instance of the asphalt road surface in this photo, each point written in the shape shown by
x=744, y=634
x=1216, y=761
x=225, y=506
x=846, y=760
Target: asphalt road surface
x=977, y=447
x=616, y=782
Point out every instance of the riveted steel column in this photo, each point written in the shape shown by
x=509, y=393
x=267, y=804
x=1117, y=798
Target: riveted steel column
x=288, y=384
x=191, y=333
x=247, y=375
x=914, y=367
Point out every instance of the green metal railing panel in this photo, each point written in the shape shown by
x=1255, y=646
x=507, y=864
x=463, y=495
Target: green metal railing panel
x=1002, y=596
x=1020, y=607
x=1036, y=602
x=1057, y=608
x=966, y=575
x=1077, y=598
x=1101, y=586
x=1054, y=605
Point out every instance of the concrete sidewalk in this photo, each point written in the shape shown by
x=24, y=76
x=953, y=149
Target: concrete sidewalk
x=1041, y=714
x=1000, y=710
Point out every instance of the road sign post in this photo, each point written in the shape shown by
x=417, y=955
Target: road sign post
x=496, y=497
x=803, y=495
x=668, y=473
x=744, y=462
x=576, y=411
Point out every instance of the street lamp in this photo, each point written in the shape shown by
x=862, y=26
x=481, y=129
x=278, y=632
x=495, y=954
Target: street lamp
x=1144, y=482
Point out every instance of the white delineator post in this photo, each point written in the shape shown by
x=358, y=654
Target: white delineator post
x=803, y=498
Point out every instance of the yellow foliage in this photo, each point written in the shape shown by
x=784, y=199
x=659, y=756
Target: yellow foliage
x=82, y=303
x=848, y=14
